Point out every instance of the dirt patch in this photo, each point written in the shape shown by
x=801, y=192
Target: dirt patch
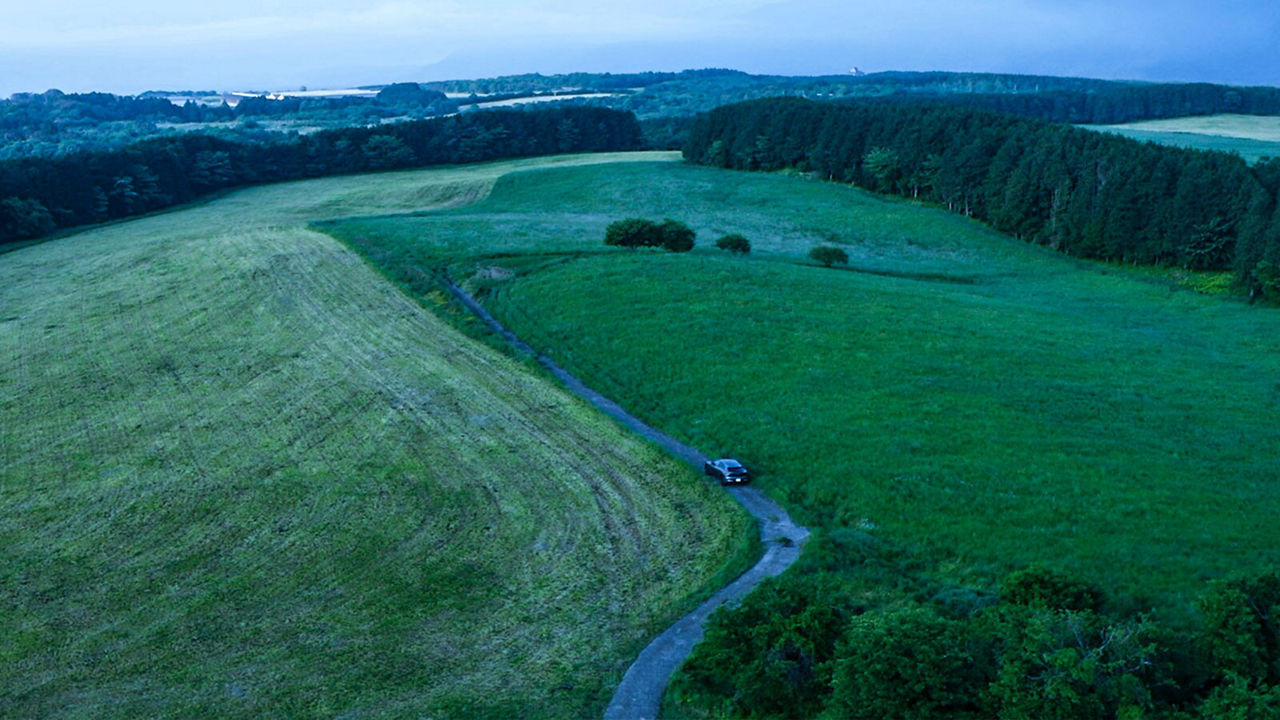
x=493, y=272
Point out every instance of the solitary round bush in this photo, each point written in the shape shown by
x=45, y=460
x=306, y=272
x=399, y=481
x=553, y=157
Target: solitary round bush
x=829, y=255
x=676, y=236
x=633, y=233
x=734, y=243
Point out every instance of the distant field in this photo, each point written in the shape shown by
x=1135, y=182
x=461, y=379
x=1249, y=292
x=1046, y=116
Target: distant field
x=512, y=102
x=977, y=401
x=1250, y=127
x=241, y=475
x=1253, y=137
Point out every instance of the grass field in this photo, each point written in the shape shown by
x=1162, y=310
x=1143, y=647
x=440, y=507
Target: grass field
x=1253, y=137
x=241, y=475
x=982, y=403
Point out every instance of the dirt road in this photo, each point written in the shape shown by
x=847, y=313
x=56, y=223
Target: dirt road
x=639, y=695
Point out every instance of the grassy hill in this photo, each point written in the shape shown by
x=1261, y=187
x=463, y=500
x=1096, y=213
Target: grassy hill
x=1252, y=137
x=243, y=476
x=974, y=402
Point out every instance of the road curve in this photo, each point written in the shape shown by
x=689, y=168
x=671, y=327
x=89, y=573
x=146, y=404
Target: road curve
x=639, y=695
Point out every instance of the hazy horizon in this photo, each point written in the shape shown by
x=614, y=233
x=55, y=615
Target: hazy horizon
x=137, y=45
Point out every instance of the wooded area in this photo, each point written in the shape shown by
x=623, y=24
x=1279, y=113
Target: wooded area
x=1088, y=194
x=1107, y=103
x=57, y=123
x=1046, y=647
x=40, y=195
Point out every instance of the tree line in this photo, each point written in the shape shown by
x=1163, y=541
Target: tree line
x=1085, y=193
x=40, y=195
x=536, y=82
x=31, y=111
x=54, y=122
x=1110, y=103
x=1045, y=646
x=667, y=111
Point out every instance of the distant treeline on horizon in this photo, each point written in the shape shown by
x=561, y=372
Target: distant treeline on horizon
x=955, y=138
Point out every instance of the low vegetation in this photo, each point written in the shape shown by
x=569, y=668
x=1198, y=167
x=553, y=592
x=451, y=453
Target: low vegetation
x=1252, y=137
x=951, y=408
x=243, y=476
x=670, y=235
x=829, y=255
x=735, y=243
x=1264, y=128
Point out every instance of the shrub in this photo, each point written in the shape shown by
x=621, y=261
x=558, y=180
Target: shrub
x=734, y=243
x=1041, y=587
x=1237, y=699
x=770, y=657
x=1068, y=665
x=829, y=255
x=1240, y=635
x=907, y=663
x=676, y=236
x=633, y=233
x=1265, y=279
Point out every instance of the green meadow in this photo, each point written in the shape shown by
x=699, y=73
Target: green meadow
x=977, y=403
x=1250, y=136
x=241, y=475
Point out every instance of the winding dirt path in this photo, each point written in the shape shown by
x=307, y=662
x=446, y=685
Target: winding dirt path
x=639, y=695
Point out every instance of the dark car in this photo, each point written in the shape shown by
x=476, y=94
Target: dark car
x=728, y=470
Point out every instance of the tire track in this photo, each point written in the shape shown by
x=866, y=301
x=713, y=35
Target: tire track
x=639, y=695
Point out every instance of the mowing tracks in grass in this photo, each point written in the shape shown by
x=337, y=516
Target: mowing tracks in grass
x=640, y=693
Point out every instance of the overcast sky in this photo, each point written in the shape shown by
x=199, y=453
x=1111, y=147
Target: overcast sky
x=129, y=46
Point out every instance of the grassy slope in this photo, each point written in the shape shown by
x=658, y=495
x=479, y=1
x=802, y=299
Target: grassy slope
x=982, y=401
x=1253, y=137
x=244, y=476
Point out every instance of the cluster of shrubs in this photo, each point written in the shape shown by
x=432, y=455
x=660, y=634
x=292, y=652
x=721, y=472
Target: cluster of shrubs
x=734, y=243
x=829, y=255
x=669, y=234
x=675, y=236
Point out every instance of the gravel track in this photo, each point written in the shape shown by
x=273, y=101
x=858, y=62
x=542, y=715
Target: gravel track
x=639, y=695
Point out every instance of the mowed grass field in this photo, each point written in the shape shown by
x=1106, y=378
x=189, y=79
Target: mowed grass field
x=1253, y=137
x=977, y=403
x=241, y=475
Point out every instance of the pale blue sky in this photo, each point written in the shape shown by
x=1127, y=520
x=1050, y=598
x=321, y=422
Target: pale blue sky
x=135, y=45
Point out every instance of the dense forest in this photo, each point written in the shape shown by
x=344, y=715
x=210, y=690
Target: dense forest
x=1088, y=194
x=40, y=195
x=1115, y=103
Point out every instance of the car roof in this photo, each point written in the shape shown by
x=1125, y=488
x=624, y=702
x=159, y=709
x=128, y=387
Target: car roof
x=727, y=461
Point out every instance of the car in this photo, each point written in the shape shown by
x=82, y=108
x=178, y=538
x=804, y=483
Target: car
x=730, y=471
